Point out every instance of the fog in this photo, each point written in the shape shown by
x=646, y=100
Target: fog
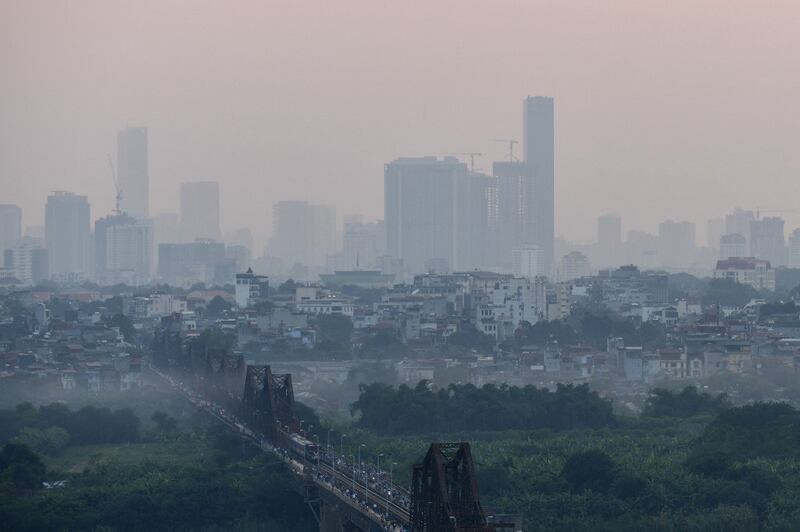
x=663, y=109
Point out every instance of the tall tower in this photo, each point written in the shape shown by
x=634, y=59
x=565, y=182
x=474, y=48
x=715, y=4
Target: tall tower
x=68, y=233
x=10, y=226
x=134, y=179
x=609, y=239
x=200, y=210
x=539, y=153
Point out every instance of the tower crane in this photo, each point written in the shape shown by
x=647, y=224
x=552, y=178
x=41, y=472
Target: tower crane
x=510, y=143
x=116, y=184
x=471, y=155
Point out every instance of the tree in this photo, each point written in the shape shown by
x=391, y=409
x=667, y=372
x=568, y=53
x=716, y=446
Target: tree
x=21, y=467
x=51, y=440
x=687, y=403
x=728, y=293
x=589, y=470
x=217, y=307
x=164, y=423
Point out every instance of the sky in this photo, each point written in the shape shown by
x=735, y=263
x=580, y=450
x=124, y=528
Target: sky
x=664, y=109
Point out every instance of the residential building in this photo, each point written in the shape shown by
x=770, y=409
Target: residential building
x=767, y=240
x=437, y=213
x=303, y=233
x=539, y=155
x=250, y=288
x=574, y=265
x=757, y=273
x=184, y=264
x=715, y=230
x=10, y=226
x=528, y=261
x=200, y=210
x=739, y=222
x=27, y=263
x=362, y=244
x=676, y=243
x=732, y=245
x=794, y=249
x=609, y=239
x=128, y=253
x=132, y=172
x=68, y=235
x=512, y=220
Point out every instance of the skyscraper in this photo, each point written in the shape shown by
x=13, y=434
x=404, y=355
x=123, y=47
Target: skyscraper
x=134, y=179
x=609, y=239
x=514, y=210
x=200, y=210
x=437, y=212
x=122, y=249
x=767, y=240
x=793, y=259
x=303, y=233
x=539, y=151
x=715, y=231
x=739, y=222
x=676, y=243
x=10, y=226
x=67, y=235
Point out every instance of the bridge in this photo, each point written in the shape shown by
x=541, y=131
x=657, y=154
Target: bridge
x=345, y=494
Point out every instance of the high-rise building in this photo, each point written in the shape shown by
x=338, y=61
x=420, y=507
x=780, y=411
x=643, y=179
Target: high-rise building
x=794, y=249
x=362, y=244
x=609, y=239
x=68, y=235
x=514, y=222
x=10, y=226
x=437, y=212
x=539, y=151
x=733, y=245
x=767, y=240
x=676, y=243
x=574, y=265
x=200, y=210
x=101, y=227
x=739, y=222
x=128, y=251
x=303, y=233
x=184, y=264
x=167, y=229
x=27, y=263
x=528, y=261
x=133, y=175
x=715, y=230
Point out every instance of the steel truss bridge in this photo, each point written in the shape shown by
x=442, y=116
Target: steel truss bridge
x=344, y=495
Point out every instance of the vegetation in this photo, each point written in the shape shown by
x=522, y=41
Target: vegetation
x=686, y=403
x=418, y=410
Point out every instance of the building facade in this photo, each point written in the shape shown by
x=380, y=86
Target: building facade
x=133, y=173
x=68, y=235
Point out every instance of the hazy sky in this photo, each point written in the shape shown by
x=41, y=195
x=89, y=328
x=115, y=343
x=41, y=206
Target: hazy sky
x=678, y=109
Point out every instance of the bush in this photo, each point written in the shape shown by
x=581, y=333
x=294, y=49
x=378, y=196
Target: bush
x=590, y=470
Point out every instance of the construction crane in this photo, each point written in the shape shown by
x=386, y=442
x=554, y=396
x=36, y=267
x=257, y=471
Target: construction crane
x=510, y=143
x=116, y=184
x=471, y=155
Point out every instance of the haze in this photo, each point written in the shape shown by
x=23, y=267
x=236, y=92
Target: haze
x=664, y=109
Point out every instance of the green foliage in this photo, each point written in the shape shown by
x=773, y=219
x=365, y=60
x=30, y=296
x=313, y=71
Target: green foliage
x=164, y=422
x=726, y=292
x=760, y=430
x=51, y=440
x=686, y=403
x=419, y=410
x=590, y=470
x=545, y=332
x=471, y=338
x=90, y=424
x=217, y=307
x=20, y=468
x=335, y=328
x=125, y=326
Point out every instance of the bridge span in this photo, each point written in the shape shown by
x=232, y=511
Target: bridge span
x=344, y=494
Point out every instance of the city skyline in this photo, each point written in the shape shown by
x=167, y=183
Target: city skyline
x=651, y=126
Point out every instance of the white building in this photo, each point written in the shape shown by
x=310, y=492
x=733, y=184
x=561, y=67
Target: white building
x=574, y=265
x=128, y=253
x=331, y=305
x=250, y=288
x=528, y=261
x=757, y=273
x=732, y=245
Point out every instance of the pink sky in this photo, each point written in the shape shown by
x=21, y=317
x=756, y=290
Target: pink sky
x=679, y=109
